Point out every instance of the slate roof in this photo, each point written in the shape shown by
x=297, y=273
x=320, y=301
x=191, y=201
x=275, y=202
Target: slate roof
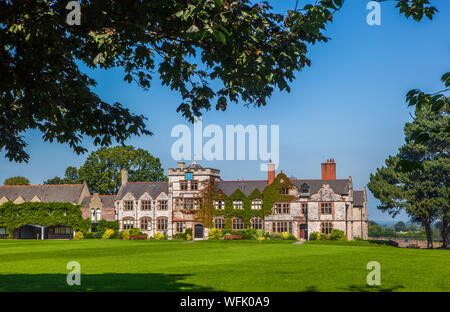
x=339, y=186
x=107, y=201
x=65, y=193
x=246, y=186
x=137, y=189
x=358, y=198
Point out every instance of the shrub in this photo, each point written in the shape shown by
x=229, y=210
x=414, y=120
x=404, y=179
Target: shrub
x=125, y=235
x=215, y=233
x=180, y=236
x=291, y=237
x=188, y=237
x=314, y=236
x=285, y=235
x=323, y=237
x=78, y=236
x=337, y=235
x=135, y=231
x=88, y=235
x=103, y=225
x=159, y=236
x=188, y=231
x=108, y=233
x=276, y=236
x=98, y=235
x=232, y=236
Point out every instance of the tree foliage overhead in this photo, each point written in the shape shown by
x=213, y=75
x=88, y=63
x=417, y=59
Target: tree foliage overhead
x=212, y=52
x=424, y=193
x=16, y=181
x=102, y=169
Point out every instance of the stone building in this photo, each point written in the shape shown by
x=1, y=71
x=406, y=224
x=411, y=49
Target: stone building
x=170, y=207
x=63, y=193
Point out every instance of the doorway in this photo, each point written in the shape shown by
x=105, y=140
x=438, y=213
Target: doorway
x=198, y=231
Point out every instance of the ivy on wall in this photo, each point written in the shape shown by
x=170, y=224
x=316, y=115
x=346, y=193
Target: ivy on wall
x=270, y=195
x=13, y=216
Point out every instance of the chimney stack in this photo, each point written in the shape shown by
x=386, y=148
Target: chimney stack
x=329, y=170
x=270, y=172
x=180, y=164
x=124, y=173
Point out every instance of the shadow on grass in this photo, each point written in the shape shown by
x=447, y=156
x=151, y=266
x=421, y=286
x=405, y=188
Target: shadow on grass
x=100, y=282
x=358, y=288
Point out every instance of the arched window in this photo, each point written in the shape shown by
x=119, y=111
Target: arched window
x=257, y=223
x=127, y=223
x=92, y=214
x=161, y=223
x=99, y=214
x=146, y=223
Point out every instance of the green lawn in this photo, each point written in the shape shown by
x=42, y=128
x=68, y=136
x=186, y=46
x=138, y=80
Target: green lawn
x=116, y=265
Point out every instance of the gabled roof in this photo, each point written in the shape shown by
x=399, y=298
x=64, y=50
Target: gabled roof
x=246, y=186
x=137, y=189
x=65, y=193
x=358, y=198
x=107, y=201
x=339, y=186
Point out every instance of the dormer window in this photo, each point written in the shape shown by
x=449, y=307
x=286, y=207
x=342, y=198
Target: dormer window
x=304, y=190
x=284, y=191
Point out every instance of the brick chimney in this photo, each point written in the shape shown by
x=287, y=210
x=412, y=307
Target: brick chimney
x=329, y=170
x=124, y=173
x=270, y=172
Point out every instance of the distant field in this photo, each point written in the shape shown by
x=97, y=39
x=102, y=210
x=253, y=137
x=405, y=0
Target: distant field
x=117, y=265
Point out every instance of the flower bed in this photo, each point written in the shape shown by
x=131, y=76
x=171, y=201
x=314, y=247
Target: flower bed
x=232, y=236
x=133, y=237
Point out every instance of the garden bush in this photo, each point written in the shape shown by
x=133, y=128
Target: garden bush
x=159, y=236
x=103, y=225
x=215, y=233
x=314, y=236
x=78, y=236
x=98, y=235
x=88, y=235
x=338, y=235
x=135, y=231
x=108, y=233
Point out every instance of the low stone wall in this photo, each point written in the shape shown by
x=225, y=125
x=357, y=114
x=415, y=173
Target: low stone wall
x=411, y=242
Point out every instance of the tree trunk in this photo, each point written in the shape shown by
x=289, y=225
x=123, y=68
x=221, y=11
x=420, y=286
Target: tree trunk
x=429, y=233
x=445, y=233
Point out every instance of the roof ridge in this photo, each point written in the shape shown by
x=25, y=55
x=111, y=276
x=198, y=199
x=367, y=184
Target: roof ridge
x=148, y=182
x=42, y=185
x=242, y=181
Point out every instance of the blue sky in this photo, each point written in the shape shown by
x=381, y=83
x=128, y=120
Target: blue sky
x=349, y=105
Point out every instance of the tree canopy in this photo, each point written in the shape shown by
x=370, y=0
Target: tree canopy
x=16, y=181
x=102, y=169
x=424, y=193
x=212, y=52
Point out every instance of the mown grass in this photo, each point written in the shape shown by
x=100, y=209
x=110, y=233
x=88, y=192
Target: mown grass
x=117, y=265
